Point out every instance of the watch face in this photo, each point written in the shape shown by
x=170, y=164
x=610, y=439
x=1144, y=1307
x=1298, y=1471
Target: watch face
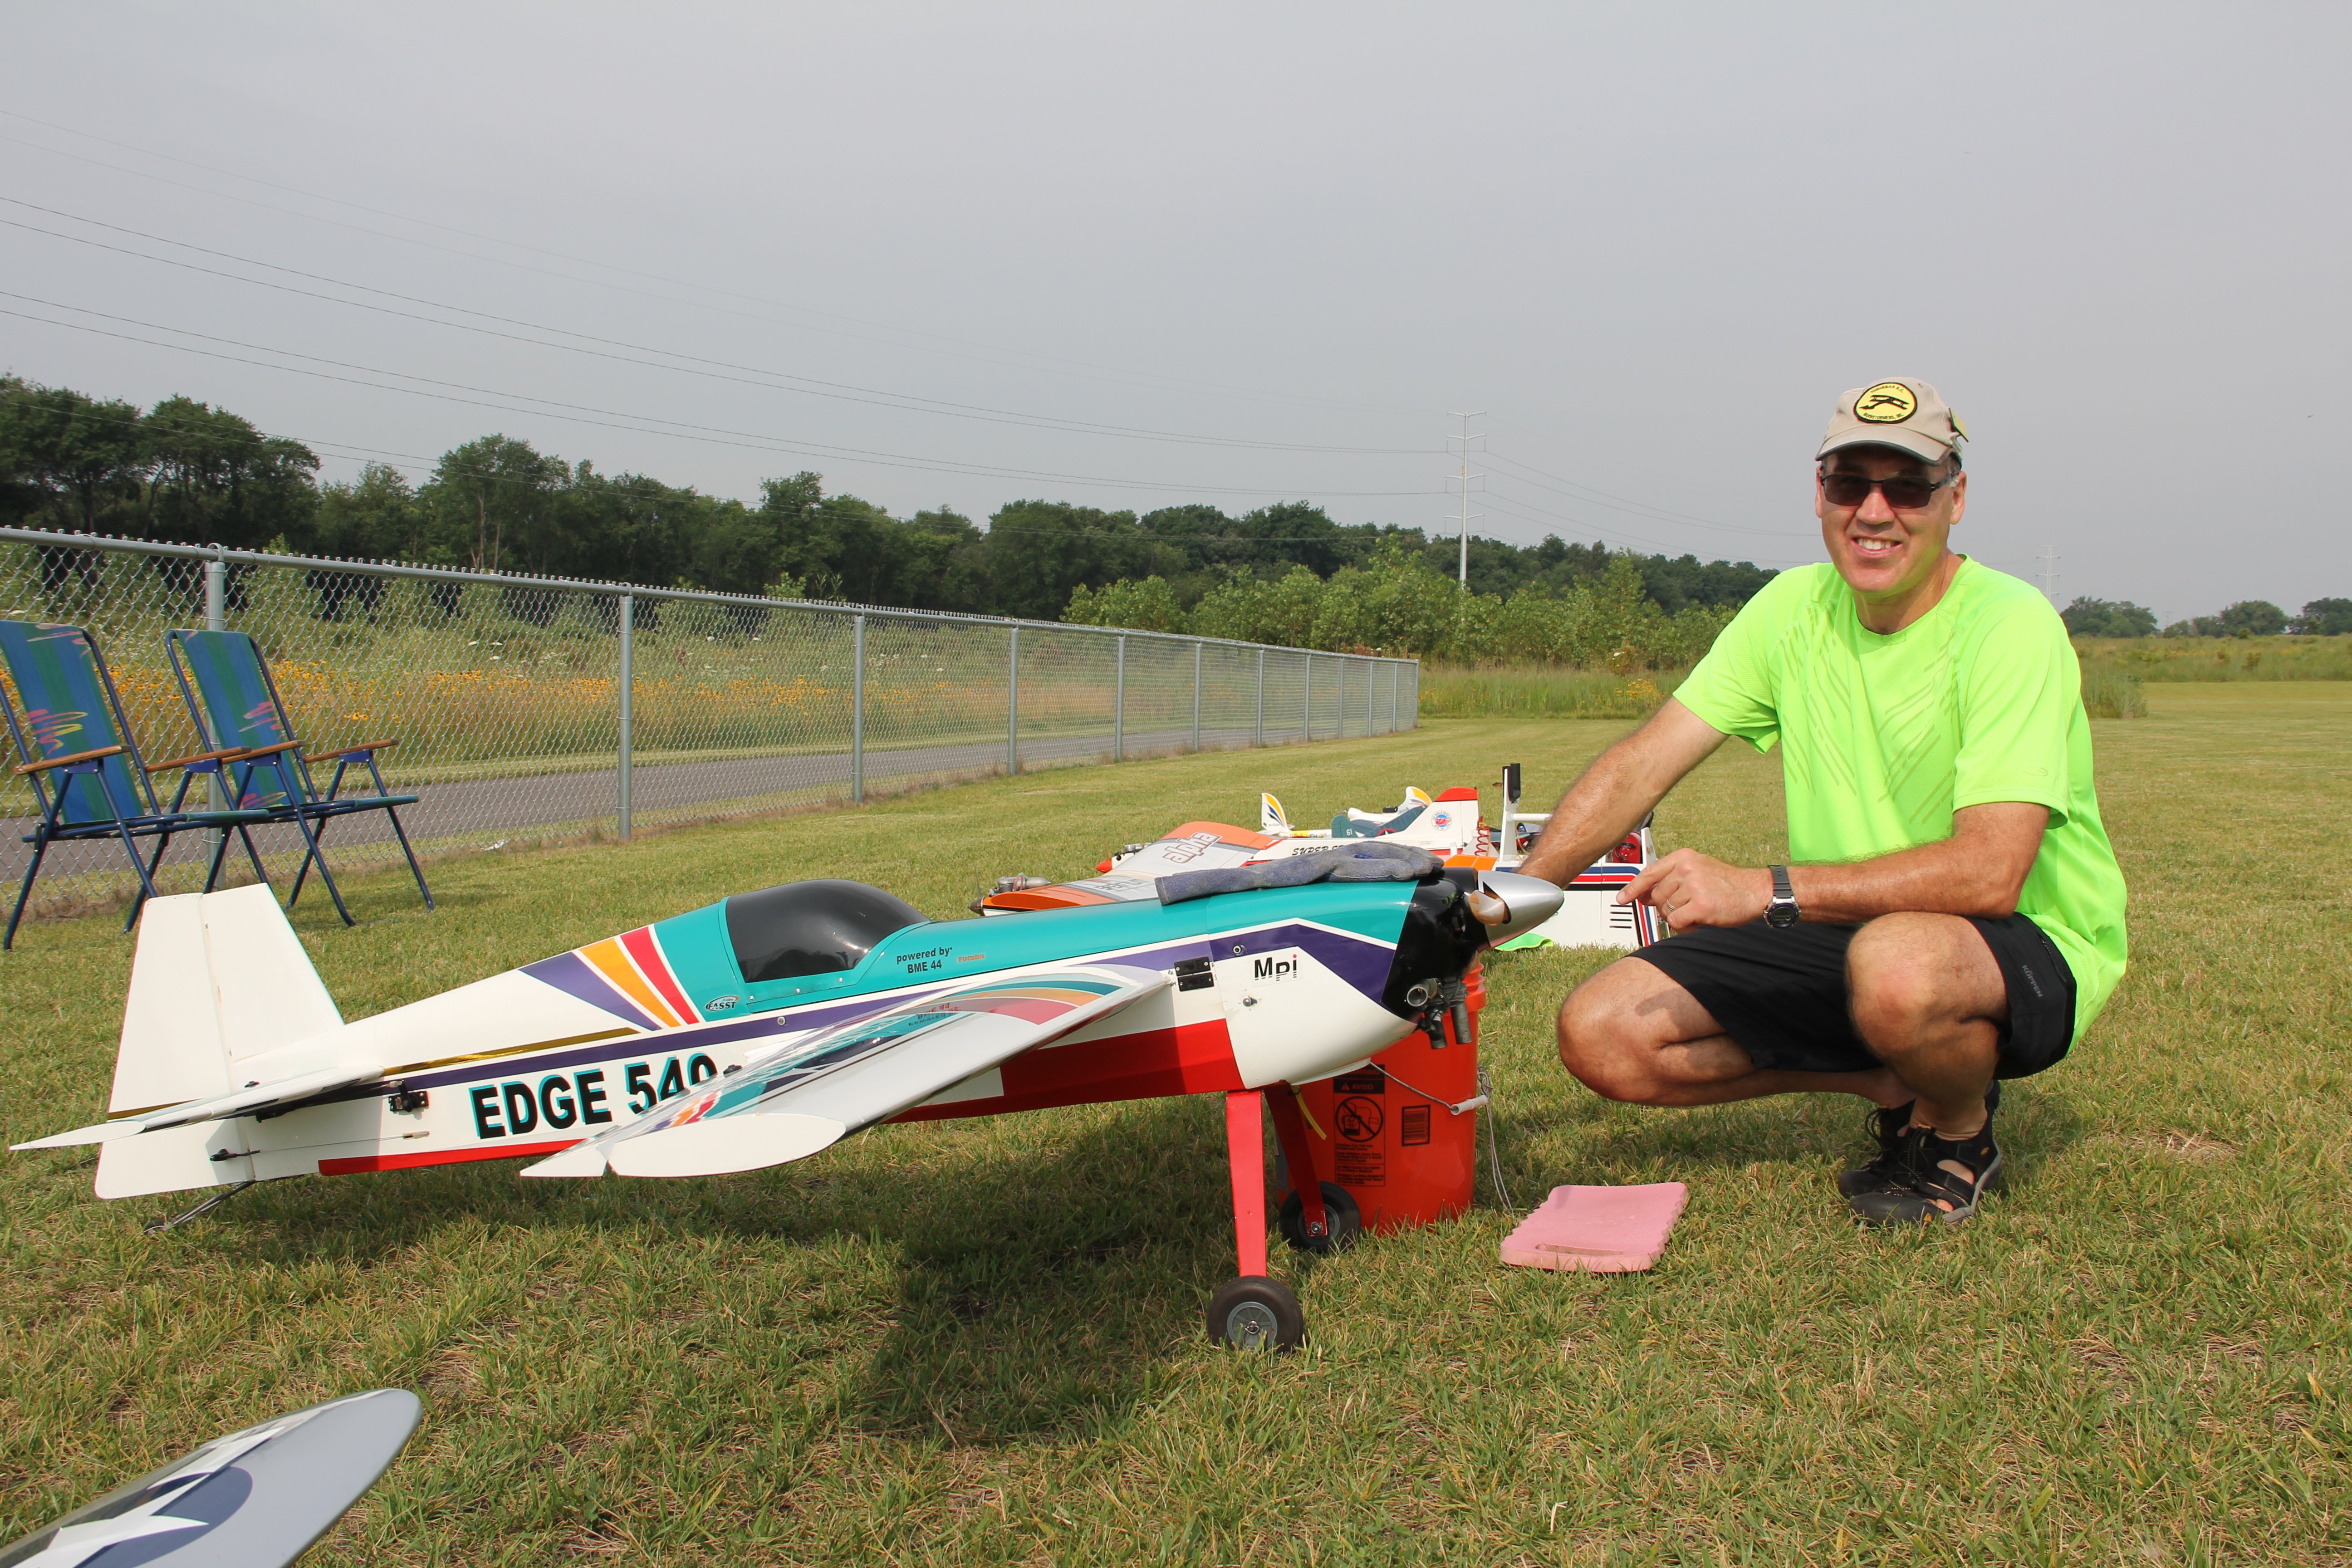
x=1781, y=917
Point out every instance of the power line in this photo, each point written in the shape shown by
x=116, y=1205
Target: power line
x=1118, y=376
x=809, y=385
x=579, y=413
x=1620, y=503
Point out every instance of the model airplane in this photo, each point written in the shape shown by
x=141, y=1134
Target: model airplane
x=256, y=1499
x=764, y=1029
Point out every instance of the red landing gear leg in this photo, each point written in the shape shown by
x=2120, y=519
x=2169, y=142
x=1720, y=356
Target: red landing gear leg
x=1245, y=1158
x=1251, y=1312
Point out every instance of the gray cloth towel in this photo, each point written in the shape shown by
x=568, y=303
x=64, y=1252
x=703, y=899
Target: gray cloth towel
x=1364, y=860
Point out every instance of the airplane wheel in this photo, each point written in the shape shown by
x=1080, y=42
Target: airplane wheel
x=1345, y=1220
x=1256, y=1313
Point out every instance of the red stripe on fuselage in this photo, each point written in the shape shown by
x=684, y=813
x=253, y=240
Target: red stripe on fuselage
x=649, y=954
x=356, y=1164
x=1192, y=1058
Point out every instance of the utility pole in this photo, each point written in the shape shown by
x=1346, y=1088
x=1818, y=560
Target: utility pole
x=2050, y=559
x=1465, y=480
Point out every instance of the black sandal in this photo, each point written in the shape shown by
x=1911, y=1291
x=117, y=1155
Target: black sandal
x=1885, y=1127
x=1932, y=1177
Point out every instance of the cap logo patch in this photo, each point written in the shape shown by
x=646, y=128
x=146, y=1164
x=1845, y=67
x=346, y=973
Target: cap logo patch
x=1888, y=403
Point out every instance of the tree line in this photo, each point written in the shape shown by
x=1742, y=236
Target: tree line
x=2246, y=618
x=187, y=472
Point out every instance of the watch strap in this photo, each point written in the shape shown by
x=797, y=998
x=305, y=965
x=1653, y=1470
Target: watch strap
x=1783, y=890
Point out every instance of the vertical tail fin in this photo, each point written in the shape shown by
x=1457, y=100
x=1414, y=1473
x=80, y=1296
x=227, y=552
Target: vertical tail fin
x=217, y=978
x=1271, y=820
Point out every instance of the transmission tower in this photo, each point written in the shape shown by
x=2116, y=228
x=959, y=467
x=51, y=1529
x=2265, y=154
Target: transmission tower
x=2050, y=559
x=1466, y=481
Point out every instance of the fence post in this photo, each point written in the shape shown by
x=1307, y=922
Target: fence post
x=1118, y=708
x=216, y=620
x=628, y=712
x=1196, y=694
x=1393, y=667
x=1307, y=703
x=858, y=709
x=1013, y=707
x=1257, y=725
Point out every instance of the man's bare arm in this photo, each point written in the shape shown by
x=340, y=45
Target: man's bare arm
x=1620, y=789
x=1980, y=870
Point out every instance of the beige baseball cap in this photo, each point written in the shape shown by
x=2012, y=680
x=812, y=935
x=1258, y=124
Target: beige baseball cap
x=1907, y=415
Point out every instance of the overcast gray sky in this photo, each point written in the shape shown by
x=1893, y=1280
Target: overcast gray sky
x=1652, y=243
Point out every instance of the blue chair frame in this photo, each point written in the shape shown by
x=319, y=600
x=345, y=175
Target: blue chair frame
x=232, y=700
x=85, y=765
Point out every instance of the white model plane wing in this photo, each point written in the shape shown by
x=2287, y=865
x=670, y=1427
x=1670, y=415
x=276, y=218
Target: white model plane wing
x=811, y=1092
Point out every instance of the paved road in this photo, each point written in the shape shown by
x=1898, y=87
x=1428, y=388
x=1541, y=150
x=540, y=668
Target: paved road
x=482, y=811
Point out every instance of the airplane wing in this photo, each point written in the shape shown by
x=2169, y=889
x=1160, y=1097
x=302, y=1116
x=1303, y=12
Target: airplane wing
x=811, y=1092
x=214, y=1107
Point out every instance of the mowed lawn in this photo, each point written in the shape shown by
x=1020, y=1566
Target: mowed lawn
x=976, y=1342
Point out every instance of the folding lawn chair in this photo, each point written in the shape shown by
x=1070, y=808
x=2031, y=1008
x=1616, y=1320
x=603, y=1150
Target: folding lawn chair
x=234, y=701
x=85, y=765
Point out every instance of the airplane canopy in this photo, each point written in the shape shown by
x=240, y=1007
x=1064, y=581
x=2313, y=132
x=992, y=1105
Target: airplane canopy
x=811, y=927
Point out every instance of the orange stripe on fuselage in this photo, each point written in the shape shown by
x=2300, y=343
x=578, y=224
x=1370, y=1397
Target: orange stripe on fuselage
x=609, y=959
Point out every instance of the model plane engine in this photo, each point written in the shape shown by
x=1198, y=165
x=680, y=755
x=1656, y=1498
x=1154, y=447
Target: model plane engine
x=1453, y=917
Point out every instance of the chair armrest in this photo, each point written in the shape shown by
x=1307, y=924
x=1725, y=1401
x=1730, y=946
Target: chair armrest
x=75, y=757
x=349, y=751
x=248, y=756
x=200, y=757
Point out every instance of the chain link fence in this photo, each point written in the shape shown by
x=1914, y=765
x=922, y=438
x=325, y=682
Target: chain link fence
x=531, y=709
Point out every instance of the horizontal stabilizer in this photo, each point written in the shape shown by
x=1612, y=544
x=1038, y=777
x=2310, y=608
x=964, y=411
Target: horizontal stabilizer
x=237, y=1102
x=809, y=1093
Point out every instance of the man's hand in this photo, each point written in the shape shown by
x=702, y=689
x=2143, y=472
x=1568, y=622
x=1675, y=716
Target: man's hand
x=1692, y=889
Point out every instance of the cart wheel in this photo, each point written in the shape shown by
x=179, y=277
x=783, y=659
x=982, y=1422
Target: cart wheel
x=1256, y=1313
x=1345, y=1220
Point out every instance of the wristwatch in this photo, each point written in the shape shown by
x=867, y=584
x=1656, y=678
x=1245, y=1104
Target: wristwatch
x=1781, y=912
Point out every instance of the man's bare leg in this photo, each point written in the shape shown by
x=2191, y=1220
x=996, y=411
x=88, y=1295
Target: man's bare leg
x=1631, y=1033
x=1930, y=1001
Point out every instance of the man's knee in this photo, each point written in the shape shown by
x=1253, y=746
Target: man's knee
x=1902, y=979
x=1605, y=1041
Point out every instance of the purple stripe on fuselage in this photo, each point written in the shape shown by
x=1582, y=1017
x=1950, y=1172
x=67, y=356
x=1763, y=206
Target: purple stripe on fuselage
x=1360, y=961
x=576, y=976
x=649, y=1045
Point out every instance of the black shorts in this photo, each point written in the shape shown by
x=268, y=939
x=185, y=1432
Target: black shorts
x=1781, y=993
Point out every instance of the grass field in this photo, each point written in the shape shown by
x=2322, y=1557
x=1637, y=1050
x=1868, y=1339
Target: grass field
x=980, y=1342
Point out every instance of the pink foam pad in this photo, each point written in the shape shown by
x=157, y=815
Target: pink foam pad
x=1605, y=1230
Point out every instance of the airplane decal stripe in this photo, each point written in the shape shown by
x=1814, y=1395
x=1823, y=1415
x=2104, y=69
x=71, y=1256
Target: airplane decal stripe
x=611, y=960
x=605, y=1051
x=576, y=976
x=654, y=963
x=357, y=1164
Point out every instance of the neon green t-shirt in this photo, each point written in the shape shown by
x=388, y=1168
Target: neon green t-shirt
x=1884, y=738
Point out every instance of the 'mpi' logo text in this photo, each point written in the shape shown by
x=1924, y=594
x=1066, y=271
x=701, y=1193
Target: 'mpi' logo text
x=1275, y=966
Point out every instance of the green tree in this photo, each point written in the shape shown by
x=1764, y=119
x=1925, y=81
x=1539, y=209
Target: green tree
x=2324, y=618
x=2253, y=619
x=2090, y=617
x=1147, y=606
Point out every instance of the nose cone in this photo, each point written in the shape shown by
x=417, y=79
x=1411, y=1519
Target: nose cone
x=1530, y=900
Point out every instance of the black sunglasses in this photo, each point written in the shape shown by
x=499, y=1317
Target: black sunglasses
x=1901, y=494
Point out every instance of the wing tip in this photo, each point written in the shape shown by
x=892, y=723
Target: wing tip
x=80, y=1137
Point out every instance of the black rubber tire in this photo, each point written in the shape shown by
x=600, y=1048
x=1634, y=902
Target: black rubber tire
x=1256, y=1313
x=1346, y=1221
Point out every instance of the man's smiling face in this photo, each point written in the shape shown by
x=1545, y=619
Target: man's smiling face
x=1885, y=553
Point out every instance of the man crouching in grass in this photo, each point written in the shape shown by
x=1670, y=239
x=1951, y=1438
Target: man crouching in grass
x=1954, y=915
